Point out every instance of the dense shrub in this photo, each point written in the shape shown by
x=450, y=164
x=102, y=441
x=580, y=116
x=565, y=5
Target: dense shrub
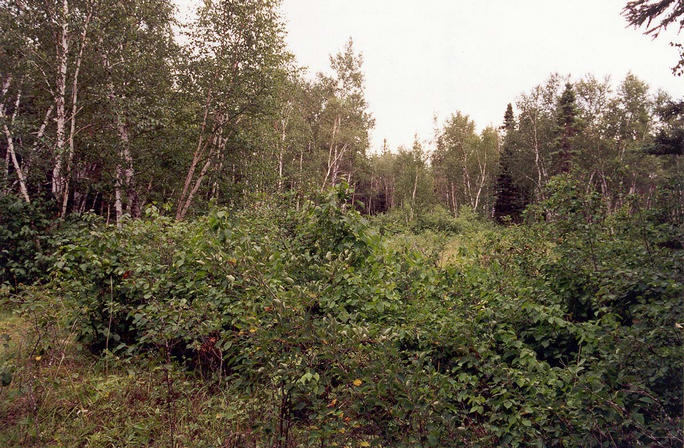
x=26, y=240
x=559, y=333
x=436, y=219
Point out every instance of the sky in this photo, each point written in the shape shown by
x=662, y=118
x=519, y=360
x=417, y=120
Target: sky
x=431, y=58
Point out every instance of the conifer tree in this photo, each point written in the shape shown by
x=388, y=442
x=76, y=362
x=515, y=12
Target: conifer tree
x=508, y=198
x=567, y=124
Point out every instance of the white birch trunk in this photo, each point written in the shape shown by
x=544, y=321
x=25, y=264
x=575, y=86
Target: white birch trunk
x=60, y=102
x=11, y=153
x=74, y=111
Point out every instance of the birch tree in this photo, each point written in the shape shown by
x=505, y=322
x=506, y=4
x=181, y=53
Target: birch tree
x=464, y=163
x=235, y=56
x=135, y=50
x=347, y=121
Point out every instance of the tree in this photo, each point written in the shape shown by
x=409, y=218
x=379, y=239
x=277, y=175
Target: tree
x=235, y=61
x=382, y=189
x=132, y=66
x=660, y=13
x=657, y=15
x=463, y=163
x=670, y=138
x=95, y=77
x=509, y=200
x=413, y=180
x=567, y=128
x=347, y=121
x=48, y=39
x=535, y=136
x=595, y=144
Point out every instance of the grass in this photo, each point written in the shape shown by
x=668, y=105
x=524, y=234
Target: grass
x=62, y=396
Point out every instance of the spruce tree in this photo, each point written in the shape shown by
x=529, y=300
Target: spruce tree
x=509, y=119
x=508, y=197
x=670, y=139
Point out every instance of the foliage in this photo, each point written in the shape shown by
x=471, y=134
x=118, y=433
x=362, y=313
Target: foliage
x=276, y=314
x=509, y=202
x=26, y=241
x=656, y=16
x=562, y=332
x=464, y=164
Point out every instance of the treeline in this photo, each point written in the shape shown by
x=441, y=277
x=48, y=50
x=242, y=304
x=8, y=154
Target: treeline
x=104, y=109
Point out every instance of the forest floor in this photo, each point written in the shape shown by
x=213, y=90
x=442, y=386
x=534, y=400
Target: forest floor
x=67, y=397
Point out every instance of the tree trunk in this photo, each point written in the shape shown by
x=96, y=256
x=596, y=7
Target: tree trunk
x=60, y=102
x=413, y=195
x=196, y=157
x=74, y=111
x=11, y=153
x=483, y=177
x=124, y=174
x=331, y=156
x=281, y=149
x=219, y=144
x=541, y=174
x=5, y=87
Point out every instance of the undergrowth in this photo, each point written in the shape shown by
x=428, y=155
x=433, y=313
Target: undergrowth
x=282, y=328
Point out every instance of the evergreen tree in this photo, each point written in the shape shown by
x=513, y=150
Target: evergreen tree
x=509, y=119
x=656, y=16
x=566, y=129
x=508, y=197
x=670, y=138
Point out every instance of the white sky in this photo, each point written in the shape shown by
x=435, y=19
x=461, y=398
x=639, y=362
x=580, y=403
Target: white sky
x=427, y=57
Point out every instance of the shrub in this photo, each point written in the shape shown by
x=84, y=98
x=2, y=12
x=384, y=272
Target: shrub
x=559, y=333
x=26, y=241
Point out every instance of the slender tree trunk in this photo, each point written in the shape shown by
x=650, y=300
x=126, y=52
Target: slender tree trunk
x=5, y=87
x=413, y=195
x=589, y=182
x=82, y=205
x=218, y=144
x=6, y=170
x=301, y=172
x=281, y=154
x=477, y=195
x=467, y=188
x=196, y=186
x=333, y=177
x=196, y=157
x=393, y=190
x=370, y=195
x=60, y=102
x=11, y=153
x=483, y=174
x=118, y=206
x=124, y=174
x=331, y=156
x=132, y=202
x=339, y=153
x=541, y=175
x=281, y=147
x=74, y=111
x=604, y=190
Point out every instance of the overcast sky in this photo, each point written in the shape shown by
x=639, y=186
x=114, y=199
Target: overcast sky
x=429, y=57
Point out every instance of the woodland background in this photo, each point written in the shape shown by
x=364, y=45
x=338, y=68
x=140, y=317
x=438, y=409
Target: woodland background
x=198, y=247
